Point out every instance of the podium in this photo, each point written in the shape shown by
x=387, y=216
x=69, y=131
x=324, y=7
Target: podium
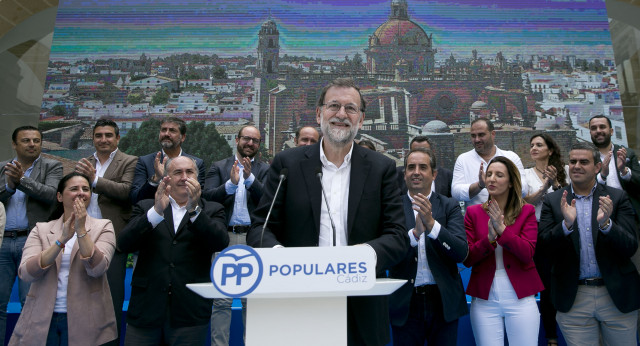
x=295, y=295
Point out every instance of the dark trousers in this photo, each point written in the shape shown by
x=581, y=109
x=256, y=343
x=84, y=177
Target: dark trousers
x=547, y=311
x=426, y=322
x=58, y=331
x=115, y=276
x=166, y=335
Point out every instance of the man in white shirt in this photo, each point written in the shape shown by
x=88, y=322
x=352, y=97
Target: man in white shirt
x=361, y=193
x=176, y=234
x=468, y=172
x=111, y=173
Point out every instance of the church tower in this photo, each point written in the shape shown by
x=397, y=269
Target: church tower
x=268, y=47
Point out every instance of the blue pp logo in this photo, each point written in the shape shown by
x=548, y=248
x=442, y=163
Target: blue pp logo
x=236, y=271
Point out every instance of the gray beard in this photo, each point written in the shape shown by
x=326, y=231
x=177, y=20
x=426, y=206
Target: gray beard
x=338, y=137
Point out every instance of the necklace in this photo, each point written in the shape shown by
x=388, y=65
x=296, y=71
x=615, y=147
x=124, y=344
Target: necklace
x=538, y=169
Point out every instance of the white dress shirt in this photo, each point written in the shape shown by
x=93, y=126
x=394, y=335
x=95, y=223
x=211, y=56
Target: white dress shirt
x=336, y=182
x=465, y=173
x=63, y=276
x=423, y=274
x=177, y=211
x=94, y=209
x=613, y=179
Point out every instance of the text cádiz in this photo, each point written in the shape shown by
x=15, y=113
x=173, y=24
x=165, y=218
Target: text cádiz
x=347, y=272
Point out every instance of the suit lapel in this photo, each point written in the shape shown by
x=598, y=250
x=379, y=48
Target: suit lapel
x=110, y=173
x=408, y=212
x=360, y=168
x=53, y=236
x=168, y=219
x=308, y=165
x=185, y=220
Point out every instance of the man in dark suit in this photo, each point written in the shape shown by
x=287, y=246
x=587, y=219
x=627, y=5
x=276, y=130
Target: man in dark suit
x=150, y=168
x=615, y=158
x=176, y=238
x=110, y=172
x=428, y=306
x=442, y=182
x=28, y=186
x=362, y=194
x=590, y=231
x=236, y=183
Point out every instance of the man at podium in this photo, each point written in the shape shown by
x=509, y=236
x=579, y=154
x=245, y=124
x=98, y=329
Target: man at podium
x=337, y=194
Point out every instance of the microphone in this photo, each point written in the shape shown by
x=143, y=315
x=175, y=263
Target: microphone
x=333, y=226
x=283, y=176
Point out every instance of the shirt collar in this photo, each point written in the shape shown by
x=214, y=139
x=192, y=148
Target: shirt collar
x=165, y=154
x=174, y=204
x=581, y=196
x=325, y=161
x=32, y=164
x=113, y=153
x=240, y=162
x=428, y=197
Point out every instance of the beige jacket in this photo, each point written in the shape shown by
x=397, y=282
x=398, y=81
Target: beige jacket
x=90, y=316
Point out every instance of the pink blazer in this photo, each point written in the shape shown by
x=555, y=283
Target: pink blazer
x=90, y=315
x=519, y=243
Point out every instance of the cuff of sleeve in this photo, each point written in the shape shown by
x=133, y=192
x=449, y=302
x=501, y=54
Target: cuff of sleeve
x=152, y=183
x=600, y=180
x=10, y=190
x=565, y=229
x=627, y=176
x=608, y=229
x=412, y=238
x=230, y=187
x=435, y=231
x=249, y=181
x=154, y=218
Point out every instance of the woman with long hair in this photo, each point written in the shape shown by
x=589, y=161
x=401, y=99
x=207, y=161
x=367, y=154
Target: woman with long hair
x=66, y=260
x=502, y=238
x=547, y=175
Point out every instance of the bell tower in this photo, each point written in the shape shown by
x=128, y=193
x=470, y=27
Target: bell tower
x=268, y=47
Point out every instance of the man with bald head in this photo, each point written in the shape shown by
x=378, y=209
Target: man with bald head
x=306, y=136
x=236, y=183
x=176, y=234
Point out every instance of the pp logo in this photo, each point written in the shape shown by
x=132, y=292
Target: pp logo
x=236, y=271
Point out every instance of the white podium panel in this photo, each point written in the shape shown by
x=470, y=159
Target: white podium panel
x=297, y=321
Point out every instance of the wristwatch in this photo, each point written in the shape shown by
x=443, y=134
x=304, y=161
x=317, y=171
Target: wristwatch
x=195, y=211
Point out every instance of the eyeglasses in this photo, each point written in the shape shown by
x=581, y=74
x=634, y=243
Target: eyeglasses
x=249, y=139
x=334, y=107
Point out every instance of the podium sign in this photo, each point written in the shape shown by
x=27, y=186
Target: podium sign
x=296, y=296
x=240, y=270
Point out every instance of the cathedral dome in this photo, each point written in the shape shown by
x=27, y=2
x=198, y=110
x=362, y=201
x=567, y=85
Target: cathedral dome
x=435, y=126
x=478, y=105
x=400, y=32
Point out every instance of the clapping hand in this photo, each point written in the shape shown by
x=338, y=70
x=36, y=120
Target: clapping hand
x=568, y=210
x=162, y=195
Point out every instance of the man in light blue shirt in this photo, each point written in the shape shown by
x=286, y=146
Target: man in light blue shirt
x=28, y=186
x=590, y=231
x=236, y=183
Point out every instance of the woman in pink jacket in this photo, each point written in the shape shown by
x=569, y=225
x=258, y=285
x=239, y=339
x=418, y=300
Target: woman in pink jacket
x=66, y=260
x=502, y=238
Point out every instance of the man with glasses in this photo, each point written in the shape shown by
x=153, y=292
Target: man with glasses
x=361, y=193
x=236, y=183
x=150, y=168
